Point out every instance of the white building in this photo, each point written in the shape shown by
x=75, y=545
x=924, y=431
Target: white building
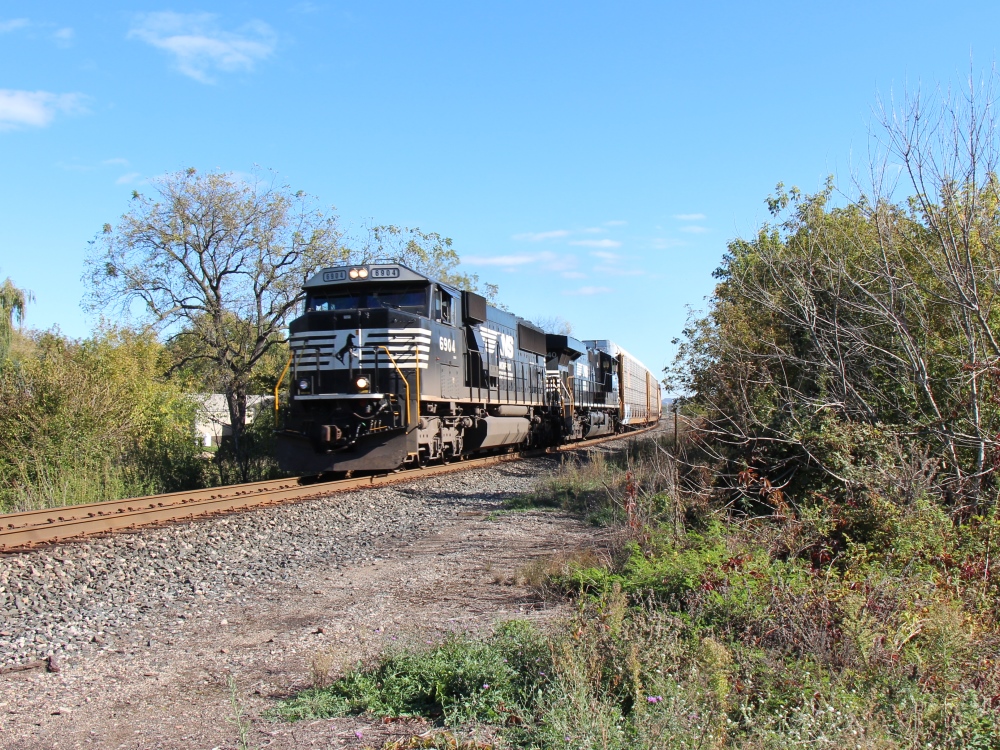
x=212, y=418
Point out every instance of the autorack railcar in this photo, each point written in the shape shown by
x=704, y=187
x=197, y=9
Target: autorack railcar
x=390, y=368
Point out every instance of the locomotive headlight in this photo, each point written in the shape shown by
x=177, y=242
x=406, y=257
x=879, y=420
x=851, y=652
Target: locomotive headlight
x=362, y=384
x=363, y=273
x=303, y=386
x=353, y=273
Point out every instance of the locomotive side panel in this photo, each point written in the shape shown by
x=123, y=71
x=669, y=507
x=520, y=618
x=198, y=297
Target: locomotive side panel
x=505, y=360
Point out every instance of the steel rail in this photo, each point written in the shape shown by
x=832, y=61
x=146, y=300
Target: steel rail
x=68, y=513
x=22, y=531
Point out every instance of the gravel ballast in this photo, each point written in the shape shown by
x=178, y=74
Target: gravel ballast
x=124, y=591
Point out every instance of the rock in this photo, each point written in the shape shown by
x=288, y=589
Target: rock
x=115, y=588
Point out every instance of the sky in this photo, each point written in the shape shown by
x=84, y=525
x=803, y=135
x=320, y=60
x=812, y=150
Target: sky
x=592, y=159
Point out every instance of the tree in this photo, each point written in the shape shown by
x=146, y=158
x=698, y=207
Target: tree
x=216, y=263
x=91, y=420
x=845, y=328
x=12, y=304
x=425, y=252
x=555, y=324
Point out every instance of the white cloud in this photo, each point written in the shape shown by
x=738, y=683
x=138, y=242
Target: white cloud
x=605, y=255
x=546, y=260
x=34, y=108
x=615, y=223
x=589, y=290
x=694, y=229
x=64, y=36
x=199, y=46
x=573, y=275
x=128, y=178
x=501, y=260
x=560, y=262
x=117, y=161
x=690, y=217
x=541, y=236
x=595, y=230
x=613, y=271
x=597, y=243
x=13, y=25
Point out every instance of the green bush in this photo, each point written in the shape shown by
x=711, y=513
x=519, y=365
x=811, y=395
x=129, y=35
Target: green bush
x=459, y=680
x=84, y=421
x=257, y=454
x=868, y=620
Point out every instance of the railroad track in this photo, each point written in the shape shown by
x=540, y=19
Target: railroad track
x=23, y=531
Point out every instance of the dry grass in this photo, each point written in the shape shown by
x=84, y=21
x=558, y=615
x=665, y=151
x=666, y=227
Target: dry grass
x=539, y=574
x=321, y=668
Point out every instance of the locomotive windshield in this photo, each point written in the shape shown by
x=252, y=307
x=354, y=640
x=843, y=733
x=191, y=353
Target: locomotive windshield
x=410, y=299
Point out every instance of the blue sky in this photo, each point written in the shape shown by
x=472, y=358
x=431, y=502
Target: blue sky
x=591, y=159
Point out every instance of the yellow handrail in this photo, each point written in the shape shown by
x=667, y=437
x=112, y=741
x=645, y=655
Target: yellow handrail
x=278, y=385
x=416, y=361
x=406, y=382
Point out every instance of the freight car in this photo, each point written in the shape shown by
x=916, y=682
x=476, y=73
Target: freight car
x=391, y=368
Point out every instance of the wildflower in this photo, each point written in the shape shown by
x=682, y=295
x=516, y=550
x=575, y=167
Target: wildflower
x=486, y=686
x=358, y=733
x=654, y=698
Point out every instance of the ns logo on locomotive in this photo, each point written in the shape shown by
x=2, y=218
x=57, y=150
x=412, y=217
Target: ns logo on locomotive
x=391, y=368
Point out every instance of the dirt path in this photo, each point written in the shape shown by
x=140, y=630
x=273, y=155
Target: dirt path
x=173, y=692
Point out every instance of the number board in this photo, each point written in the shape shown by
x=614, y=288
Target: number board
x=384, y=273
x=334, y=275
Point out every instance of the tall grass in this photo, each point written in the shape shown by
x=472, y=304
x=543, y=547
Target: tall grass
x=38, y=481
x=868, y=624
x=84, y=421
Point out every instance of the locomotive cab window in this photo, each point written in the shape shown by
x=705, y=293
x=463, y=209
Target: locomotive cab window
x=328, y=302
x=406, y=298
x=442, y=306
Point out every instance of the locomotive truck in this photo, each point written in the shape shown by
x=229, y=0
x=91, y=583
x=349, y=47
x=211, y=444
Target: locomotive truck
x=390, y=368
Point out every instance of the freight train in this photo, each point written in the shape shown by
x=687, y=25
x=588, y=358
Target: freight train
x=390, y=368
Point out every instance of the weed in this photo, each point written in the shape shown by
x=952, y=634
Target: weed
x=865, y=623
x=438, y=740
x=458, y=680
x=543, y=574
x=238, y=718
x=320, y=668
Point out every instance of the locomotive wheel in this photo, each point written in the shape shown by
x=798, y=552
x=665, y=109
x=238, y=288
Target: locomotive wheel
x=446, y=454
x=422, y=459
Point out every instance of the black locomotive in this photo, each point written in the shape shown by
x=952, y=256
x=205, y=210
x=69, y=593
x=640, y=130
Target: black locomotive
x=391, y=368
